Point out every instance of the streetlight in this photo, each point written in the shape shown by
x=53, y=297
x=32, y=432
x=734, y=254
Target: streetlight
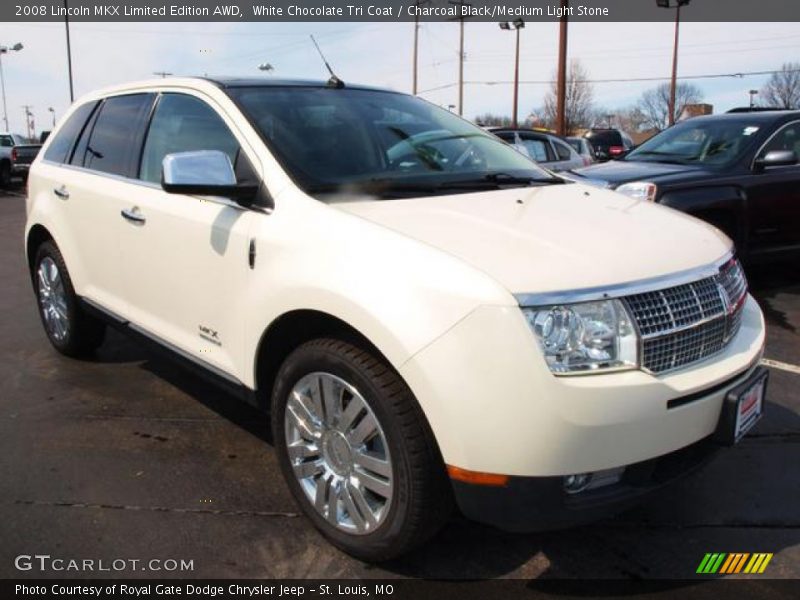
x=677, y=5
x=506, y=26
x=53, y=111
x=5, y=50
x=29, y=124
x=753, y=94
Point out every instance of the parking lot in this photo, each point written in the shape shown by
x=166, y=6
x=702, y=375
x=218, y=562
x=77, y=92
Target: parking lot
x=128, y=456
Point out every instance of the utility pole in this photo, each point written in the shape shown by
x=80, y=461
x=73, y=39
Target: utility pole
x=6, y=50
x=674, y=84
x=162, y=74
x=415, y=85
x=460, y=4
x=506, y=26
x=561, y=84
x=69, y=53
x=28, y=115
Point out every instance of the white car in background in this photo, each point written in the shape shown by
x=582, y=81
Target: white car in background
x=547, y=149
x=427, y=316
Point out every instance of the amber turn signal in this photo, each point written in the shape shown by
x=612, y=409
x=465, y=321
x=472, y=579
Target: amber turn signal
x=476, y=478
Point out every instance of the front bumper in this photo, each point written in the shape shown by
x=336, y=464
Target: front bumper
x=495, y=407
x=528, y=504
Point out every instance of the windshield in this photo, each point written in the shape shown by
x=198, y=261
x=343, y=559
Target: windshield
x=342, y=140
x=716, y=142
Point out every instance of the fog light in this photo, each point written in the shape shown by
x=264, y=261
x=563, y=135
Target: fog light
x=576, y=483
x=590, y=481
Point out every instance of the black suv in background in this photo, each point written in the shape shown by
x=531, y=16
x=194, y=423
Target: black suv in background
x=738, y=171
x=608, y=143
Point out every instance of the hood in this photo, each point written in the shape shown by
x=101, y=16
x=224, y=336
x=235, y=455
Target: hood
x=622, y=171
x=552, y=238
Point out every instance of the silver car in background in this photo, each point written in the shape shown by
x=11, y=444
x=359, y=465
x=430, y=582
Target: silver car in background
x=549, y=150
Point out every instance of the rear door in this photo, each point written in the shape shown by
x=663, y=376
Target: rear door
x=92, y=187
x=186, y=258
x=538, y=148
x=565, y=156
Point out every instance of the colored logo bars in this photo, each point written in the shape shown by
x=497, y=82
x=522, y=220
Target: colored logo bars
x=737, y=562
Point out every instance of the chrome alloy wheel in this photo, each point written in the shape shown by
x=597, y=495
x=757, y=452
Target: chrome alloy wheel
x=339, y=453
x=53, y=299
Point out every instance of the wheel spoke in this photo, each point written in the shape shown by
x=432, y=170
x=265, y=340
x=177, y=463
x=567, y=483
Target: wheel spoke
x=364, y=430
x=304, y=425
x=308, y=469
x=361, y=504
x=44, y=285
x=372, y=483
x=322, y=497
x=60, y=330
x=316, y=400
x=358, y=519
x=301, y=450
x=354, y=408
x=334, y=499
x=372, y=463
x=331, y=398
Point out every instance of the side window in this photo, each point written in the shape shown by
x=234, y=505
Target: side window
x=562, y=150
x=61, y=145
x=537, y=149
x=183, y=123
x=787, y=138
x=113, y=141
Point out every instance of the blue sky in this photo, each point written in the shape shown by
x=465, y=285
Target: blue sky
x=380, y=54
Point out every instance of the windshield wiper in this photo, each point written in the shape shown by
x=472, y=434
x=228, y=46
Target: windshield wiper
x=506, y=179
x=388, y=187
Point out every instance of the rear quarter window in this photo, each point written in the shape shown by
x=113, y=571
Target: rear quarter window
x=562, y=150
x=59, y=148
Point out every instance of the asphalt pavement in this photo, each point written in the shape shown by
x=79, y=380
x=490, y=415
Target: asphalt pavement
x=127, y=456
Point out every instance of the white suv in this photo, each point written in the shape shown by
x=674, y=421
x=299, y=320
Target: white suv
x=427, y=315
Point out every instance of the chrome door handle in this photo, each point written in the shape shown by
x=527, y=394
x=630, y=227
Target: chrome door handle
x=61, y=192
x=133, y=215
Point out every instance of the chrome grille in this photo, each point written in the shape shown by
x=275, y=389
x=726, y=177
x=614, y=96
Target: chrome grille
x=687, y=323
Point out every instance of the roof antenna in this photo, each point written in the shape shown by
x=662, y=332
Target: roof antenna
x=334, y=81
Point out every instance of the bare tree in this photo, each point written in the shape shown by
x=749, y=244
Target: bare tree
x=629, y=118
x=579, y=100
x=492, y=120
x=654, y=103
x=783, y=88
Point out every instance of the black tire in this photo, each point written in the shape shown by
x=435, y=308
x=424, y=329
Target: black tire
x=84, y=333
x=422, y=496
x=5, y=174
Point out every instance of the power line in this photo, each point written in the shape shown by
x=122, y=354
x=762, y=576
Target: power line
x=623, y=80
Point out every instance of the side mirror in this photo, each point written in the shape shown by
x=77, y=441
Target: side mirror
x=204, y=173
x=776, y=158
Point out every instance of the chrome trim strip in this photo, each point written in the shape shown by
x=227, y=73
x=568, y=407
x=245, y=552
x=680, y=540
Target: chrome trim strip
x=148, y=184
x=122, y=321
x=683, y=328
x=183, y=354
x=620, y=290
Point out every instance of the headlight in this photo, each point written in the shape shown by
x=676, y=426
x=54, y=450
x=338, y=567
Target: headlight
x=586, y=337
x=641, y=190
